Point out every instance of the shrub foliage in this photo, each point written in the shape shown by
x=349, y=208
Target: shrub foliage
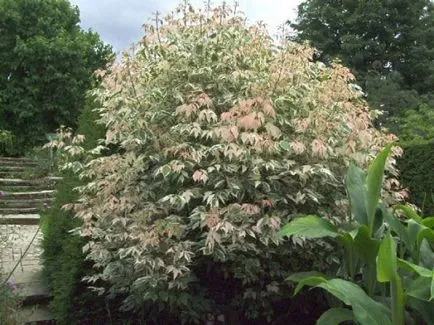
x=218, y=135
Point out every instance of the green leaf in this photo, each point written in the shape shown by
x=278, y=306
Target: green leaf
x=424, y=309
x=387, y=265
x=420, y=270
x=425, y=234
x=366, y=246
x=355, y=183
x=426, y=255
x=303, y=279
x=428, y=222
x=409, y=212
x=432, y=289
x=374, y=181
x=285, y=145
x=419, y=288
x=310, y=227
x=335, y=316
x=166, y=170
x=366, y=310
x=396, y=225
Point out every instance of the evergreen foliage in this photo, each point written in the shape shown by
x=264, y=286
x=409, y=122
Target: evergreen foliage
x=417, y=166
x=387, y=44
x=63, y=258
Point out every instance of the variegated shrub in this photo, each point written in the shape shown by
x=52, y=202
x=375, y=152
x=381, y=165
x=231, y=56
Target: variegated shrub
x=218, y=135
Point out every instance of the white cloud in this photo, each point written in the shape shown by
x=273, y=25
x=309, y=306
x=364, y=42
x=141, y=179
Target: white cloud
x=120, y=22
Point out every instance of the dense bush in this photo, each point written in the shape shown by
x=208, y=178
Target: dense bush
x=416, y=166
x=63, y=259
x=416, y=129
x=218, y=135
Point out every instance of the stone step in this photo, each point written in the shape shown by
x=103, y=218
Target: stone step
x=26, y=188
x=38, y=314
x=25, y=220
x=51, y=180
x=30, y=195
x=26, y=203
x=11, y=174
x=11, y=161
x=13, y=168
x=20, y=218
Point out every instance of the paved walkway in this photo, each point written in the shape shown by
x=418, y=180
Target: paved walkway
x=20, y=236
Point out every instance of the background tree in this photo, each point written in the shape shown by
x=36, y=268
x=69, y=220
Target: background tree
x=46, y=66
x=388, y=45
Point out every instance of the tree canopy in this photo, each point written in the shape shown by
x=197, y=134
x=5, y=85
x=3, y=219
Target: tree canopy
x=388, y=45
x=46, y=66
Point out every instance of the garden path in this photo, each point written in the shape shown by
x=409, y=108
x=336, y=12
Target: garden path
x=21, y=199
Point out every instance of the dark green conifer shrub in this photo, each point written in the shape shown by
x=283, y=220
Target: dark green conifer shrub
x=64, y=263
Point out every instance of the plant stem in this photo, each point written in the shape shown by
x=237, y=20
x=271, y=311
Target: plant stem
x=398, y=304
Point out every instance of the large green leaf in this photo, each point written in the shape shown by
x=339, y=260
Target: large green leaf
x=425, y=234
x=303, y=279
x=356, y=187
x=335, y=316
x=419, y=288
x=417, y=233
x=426, y=255
x=424, y=309
x=396, y=225
x=366, y=310
x=366, y=246
x=427, y=284
x=428, y=222
x=387, y=265
x=374, y=181
x=409, y=212
x=420, y=270
x=310, y=227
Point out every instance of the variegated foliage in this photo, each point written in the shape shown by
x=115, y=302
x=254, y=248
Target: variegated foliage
x=219, y=135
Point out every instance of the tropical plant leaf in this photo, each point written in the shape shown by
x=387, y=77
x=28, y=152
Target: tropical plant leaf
x=420, y=270
x=310, y=227
x=335, y=316
x=424, y=308
x=303, y=279
x=374, y=181
x=356, y=188
x=366, y=310
x=428, y=222
x=366, y=246
x=409, y=212
x=396, y=225
x=419, y=288
x=426, y=255
x=387, y=266
x=425, y=234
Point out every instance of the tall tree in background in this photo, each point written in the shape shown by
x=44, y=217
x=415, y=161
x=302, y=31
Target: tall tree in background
x=389, y=45
x=46, y=66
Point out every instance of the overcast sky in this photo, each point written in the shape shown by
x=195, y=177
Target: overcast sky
x=119, y=22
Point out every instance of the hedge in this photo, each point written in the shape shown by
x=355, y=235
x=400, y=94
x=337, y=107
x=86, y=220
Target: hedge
x=417, y=174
